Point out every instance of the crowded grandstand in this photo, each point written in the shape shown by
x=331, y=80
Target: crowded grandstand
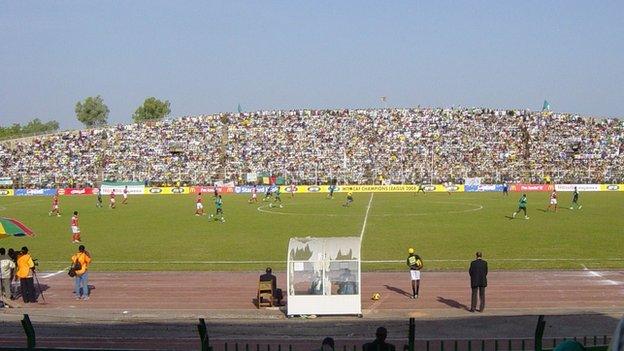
x=355, y=146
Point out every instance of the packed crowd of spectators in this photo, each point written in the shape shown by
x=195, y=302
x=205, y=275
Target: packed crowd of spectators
x=308, y=146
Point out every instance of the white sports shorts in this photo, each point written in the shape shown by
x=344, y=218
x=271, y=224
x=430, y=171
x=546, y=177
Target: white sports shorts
x=199, y=206
x=415, y=274
x=75, y=229
x=553, y=201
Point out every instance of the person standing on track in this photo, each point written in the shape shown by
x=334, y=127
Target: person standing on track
x=415, y=264
x=80, y=262
x=478, y=281
x=6, y=267
x=24, y=272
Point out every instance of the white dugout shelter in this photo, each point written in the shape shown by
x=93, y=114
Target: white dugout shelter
x=324, y=276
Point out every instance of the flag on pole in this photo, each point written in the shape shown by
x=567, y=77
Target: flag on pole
x=546, y=106
x=240, y=109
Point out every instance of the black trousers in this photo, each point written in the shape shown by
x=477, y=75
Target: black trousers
x=27, y=286
x=473, y=301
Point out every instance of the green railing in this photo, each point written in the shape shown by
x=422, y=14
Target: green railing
x=591, y=343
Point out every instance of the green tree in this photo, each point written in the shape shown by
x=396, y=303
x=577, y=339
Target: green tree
x=92, y=112
x=33, y=127
x=152, y=109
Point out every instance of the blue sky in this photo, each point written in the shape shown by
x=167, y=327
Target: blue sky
x=208, y=57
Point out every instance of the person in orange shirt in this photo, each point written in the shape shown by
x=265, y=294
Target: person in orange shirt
x=80, y=262
x=24, y=272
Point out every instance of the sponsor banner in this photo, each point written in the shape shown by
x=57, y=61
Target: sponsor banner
x=75, y=191
x=483, y=187
x=579, y=187
x=210, y=189
x=531, y=187
x=6, y=192
x=397, y=188
x=168, y=190
x=35, y=192
x=611, y=187
x=134, y=189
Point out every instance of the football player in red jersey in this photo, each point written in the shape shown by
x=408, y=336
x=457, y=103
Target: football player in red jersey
x=112, y=199
x=74, y=228
x=199, y=207
x=55, y=206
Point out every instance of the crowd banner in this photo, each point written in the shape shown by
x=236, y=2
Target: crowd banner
x=483, y=187
x=168, y=190
x=76, y=191
x=473, y=181
x=134, y=188
x=579, y=187
x=35, y=192
x=6, y=192
x=531, y=187
x=6, y=181
x=611, y=187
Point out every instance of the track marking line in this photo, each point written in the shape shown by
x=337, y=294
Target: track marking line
x=50, y=275
x=363, y=261
x=370, y=200
x=599, y=275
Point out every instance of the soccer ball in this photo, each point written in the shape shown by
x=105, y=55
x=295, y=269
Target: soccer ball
x=271, y=205
x=376, y=296
x=571, y=207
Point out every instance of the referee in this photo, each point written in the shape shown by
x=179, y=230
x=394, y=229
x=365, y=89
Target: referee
x=414, y=262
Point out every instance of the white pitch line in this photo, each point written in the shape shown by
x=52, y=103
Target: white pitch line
x=366, y=217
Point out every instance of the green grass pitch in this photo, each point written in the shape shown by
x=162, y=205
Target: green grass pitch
x=160, y=232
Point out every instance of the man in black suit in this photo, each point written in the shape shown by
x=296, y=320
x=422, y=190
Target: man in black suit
x=478, y=281
x=269, y=277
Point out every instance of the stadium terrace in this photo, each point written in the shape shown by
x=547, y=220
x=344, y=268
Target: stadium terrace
x=360, y=146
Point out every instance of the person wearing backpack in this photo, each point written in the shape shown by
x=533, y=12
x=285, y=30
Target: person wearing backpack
x=80, y=265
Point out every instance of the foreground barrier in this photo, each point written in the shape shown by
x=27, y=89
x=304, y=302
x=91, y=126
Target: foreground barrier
x=591, y=343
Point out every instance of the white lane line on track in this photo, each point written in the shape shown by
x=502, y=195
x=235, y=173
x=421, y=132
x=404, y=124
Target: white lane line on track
x=50, y=275
x=370, y=201
x=599, y=275
x=363, y=261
